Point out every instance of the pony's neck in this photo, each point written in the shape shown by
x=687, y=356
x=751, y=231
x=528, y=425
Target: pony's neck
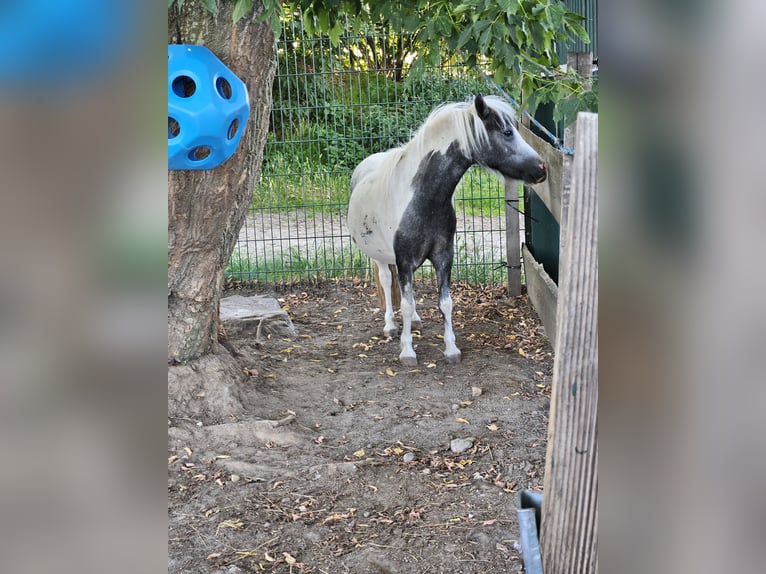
x=439, y=172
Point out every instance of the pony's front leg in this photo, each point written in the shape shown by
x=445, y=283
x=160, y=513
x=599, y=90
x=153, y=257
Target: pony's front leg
x=390, y=329
x=443, y=272
x=407, y=355
x=451, y=352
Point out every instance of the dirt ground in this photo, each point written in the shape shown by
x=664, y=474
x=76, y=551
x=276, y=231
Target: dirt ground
x=322, y=454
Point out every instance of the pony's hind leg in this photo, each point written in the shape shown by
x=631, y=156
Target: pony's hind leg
x=390, y=328
x=407, y=355
x=417, y=323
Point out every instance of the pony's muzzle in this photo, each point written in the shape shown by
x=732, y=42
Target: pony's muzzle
x=543, y=172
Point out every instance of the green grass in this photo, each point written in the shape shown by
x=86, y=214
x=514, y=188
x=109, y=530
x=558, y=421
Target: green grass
x=286, y=186
x=297, y=267
x=349, y=263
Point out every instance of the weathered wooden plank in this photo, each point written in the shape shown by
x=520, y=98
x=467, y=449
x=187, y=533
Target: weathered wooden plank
x=512, y=238
x=549, y=190
x=570, y=504
x=542, y=292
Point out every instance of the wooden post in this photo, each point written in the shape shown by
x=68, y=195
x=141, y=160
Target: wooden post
x=569, y=514
x=512, y=238
x=582, y=62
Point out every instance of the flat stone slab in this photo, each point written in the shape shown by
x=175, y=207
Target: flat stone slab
x=255, y=315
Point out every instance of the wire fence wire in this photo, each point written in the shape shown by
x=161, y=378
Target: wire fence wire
x=332, y=107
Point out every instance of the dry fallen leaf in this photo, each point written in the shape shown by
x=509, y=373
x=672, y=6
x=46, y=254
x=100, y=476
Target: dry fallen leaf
x=492, y=427
x=188, y=451
x=268, y=557
x=521, y=352
x=289, y=559
x=360, y=453
x=390, y=373
x=172, y=459
x=461, y=420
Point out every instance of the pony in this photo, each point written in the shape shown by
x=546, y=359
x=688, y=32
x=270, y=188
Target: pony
x=401, y=206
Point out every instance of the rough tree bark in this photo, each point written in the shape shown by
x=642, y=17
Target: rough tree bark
x=206, y=208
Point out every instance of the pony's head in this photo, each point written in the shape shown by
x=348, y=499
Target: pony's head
x=503, y=150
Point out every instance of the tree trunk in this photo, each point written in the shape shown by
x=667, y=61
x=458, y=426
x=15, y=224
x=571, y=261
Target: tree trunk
x=206, y=208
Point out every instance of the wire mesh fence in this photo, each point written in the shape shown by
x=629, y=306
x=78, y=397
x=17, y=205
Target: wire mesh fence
x=332, y=107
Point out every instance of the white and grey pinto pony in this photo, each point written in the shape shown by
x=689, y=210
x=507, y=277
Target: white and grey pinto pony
x=401, y=210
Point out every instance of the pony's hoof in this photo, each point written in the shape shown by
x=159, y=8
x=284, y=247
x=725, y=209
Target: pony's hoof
x=392, y=333
x=453, y=359
x=408, y=361
x=417, y=325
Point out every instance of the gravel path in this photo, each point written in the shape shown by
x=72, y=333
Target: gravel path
x=270, y=236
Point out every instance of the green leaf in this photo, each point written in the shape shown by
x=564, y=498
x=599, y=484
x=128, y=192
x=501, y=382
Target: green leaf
x=538, y=39
x=465, y=35
x=481, y=25
x=241, y=8
x=580, y=31
x=510, y=7
x=460, y=9
x=276, y=24
x=308, y=23
x=210, y=5
x=323, y=19
x=484, y=40
x=501, y=73
x=443, y=25
x=411, y=22
x=335, y=33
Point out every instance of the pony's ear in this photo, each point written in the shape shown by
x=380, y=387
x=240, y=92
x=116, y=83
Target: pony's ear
x=481, y=107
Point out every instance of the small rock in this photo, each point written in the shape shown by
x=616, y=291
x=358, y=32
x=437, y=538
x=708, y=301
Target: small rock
x=455, y=407
x=408, y=457
x=476, y=391
x=234, y=478
x=459, y=445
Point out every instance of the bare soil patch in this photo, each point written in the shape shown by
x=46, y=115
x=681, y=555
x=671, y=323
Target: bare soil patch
x=321, y=453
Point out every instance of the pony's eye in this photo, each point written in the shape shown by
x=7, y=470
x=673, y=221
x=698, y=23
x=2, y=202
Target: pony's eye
x=507, y=133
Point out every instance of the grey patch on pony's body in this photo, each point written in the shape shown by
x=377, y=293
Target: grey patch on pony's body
x=428, y=225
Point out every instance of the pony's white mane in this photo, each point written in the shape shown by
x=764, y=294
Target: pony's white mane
x=461, y=121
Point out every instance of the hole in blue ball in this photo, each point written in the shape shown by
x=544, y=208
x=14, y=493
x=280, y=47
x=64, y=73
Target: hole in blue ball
x=199, y=153
x=224, y=88
x=184, y=86
x=174, y=128
x=233, y=127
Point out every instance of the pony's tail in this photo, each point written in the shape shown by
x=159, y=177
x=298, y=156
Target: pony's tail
x=396, y=294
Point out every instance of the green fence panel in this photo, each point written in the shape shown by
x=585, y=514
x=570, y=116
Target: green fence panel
x=333, y=106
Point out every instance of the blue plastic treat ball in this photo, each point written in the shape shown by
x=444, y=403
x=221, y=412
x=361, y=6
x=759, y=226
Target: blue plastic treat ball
x=208, y=108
